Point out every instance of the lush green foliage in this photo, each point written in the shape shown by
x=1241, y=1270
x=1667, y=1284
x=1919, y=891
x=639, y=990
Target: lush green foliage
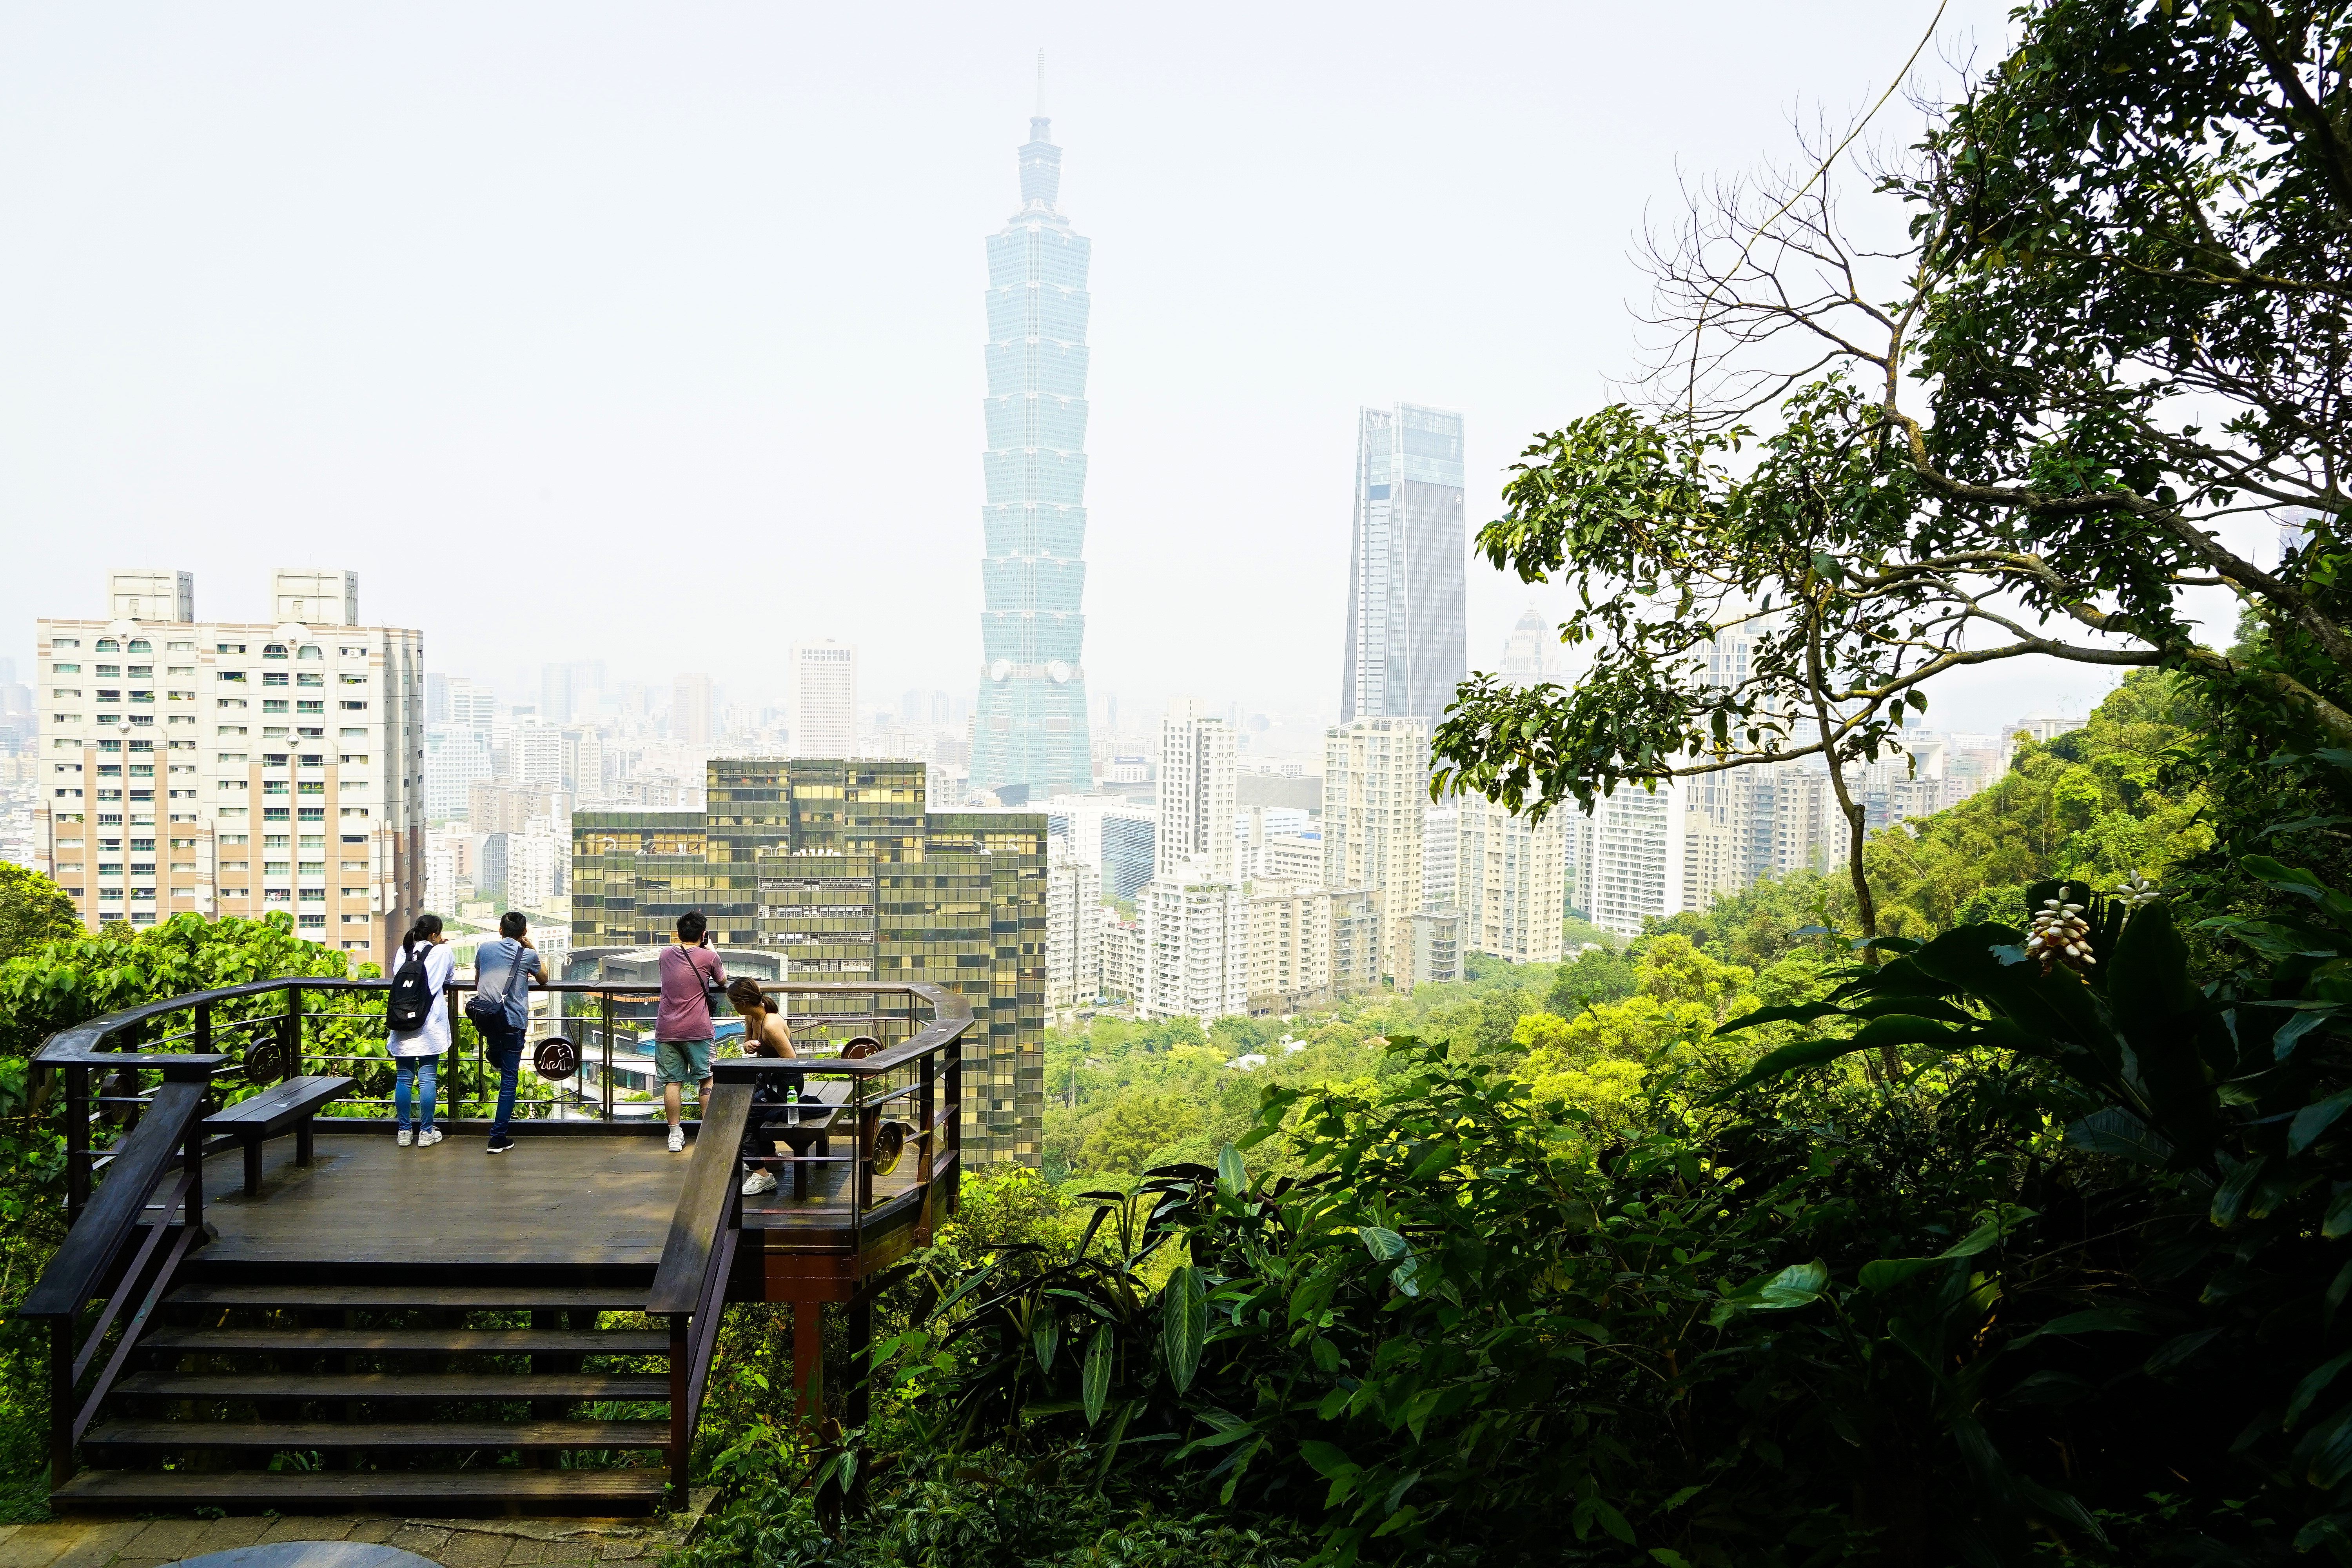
x=33, y=910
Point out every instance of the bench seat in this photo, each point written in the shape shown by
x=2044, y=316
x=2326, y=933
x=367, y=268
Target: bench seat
x=290, y=1104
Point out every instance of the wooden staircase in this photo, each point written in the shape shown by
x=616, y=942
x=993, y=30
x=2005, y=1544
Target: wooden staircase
x=438, y=1398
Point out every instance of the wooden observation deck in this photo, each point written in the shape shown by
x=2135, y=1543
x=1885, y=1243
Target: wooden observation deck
x=386, y=1329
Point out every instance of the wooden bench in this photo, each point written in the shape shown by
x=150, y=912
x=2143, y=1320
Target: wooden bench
x=290, y=1104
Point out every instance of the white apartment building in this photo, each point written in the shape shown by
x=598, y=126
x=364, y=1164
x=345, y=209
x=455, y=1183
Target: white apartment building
x=1120, y=944
x=456, y=755
x=1441, y=851
x=539, y=865
x=234, y=768
x=1292, y=858
x=1255, y=825
x=1289, y=946
x=1375, y=786
x=1195, y=803
x=824, y=700
x=535, y=752
x=1510, y=881
x=1073, y=932
x=1195, y=947
x=1631, y=857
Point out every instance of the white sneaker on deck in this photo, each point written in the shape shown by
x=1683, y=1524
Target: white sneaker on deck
x=677, y=1140
x=759, y=1181
x=406, y=1137
x=429, y=1137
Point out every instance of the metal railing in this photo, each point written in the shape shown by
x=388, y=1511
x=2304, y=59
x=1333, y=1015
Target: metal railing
x=902, y=1085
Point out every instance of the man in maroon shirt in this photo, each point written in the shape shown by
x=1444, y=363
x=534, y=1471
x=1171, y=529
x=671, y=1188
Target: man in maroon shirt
x=682, y=1034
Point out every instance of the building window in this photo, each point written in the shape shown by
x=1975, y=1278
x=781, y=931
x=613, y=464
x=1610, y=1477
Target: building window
x=65, y=642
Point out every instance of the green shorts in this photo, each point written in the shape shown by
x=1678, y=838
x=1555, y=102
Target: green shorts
x=682, y=1061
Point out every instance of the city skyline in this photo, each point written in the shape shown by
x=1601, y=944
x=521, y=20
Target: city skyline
x=585, y=334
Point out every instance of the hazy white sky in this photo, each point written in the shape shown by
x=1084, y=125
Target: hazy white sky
x=654, y=333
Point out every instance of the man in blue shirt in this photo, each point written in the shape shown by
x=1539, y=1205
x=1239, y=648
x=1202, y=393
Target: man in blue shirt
x=504, y=969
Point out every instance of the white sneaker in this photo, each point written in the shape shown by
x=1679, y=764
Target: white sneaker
x=759, y=1181
x=429, y=1137
x=677, y=1139
x=406, y=1137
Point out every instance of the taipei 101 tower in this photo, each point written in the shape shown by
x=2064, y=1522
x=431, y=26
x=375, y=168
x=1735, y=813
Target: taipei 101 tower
x=1029, y=738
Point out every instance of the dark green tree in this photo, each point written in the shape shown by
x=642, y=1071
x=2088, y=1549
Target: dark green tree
x=33, y=910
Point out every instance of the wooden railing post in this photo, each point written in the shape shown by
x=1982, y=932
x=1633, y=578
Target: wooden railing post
x=681, y=1433
x=608, y=1055
x=293, y=1027
x=194, y=1159
x=77, y=1141
x=61, y=1400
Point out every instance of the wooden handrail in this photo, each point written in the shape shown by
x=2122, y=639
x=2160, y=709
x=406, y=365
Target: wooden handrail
x=89, y=1248
x=705, y=1203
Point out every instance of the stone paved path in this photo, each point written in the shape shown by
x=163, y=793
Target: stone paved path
x=454, y=1542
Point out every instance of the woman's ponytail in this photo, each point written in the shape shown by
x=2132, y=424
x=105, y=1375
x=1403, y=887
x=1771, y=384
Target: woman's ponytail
x=425, y=927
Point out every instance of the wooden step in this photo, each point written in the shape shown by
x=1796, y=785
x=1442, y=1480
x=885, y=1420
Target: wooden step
x=390, y=1297
x=432, y=1493
x=387, y=1386
x=301, y=1436
x=468, y=1341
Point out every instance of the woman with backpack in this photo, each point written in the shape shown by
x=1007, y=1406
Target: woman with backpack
x=765, y=1034
x=418, y=1012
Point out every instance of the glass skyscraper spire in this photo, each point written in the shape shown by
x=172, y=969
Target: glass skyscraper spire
x=1030, y=739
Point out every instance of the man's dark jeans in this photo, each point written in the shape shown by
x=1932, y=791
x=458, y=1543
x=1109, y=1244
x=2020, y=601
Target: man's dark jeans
x=502, y=1046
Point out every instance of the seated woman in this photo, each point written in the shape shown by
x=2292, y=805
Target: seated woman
x=764, y=1035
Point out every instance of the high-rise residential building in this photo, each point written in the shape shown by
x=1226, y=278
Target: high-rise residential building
x=838, y=868
x=1375, y=786
x=1407, y=650
x=1073, y=932
x=1030, y=737
x=535, y=752
x=824, y=700
x=693, y=709
x=1508, y=881
x=1289, y=946
x=1195, y=946
x=1436, y=940
x=1441, y=850
x=1196, y=793
x=583, y=760
x=455, y=757
x=1120, y=945
x=234, y=768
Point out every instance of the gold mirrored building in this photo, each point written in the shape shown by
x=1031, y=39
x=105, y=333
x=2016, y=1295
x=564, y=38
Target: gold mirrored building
x=839, y=868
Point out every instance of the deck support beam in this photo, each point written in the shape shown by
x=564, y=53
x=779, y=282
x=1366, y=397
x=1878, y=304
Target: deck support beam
x=808, y=1359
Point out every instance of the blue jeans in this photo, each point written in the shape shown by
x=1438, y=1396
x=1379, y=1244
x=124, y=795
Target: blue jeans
x=411, y=1068
x=503, y=1048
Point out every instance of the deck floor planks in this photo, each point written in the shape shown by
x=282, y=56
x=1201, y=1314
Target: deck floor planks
x=563, y=1200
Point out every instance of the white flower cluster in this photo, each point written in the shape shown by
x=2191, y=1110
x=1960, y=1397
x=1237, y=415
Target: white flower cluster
x=2061, y=933
x=2135, y=890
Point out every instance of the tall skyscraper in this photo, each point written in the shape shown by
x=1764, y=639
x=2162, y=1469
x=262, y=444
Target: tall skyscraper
x=237, y=768
x=824, y=700
x=1196, y=793
x=1406, y=647
x=1030, y=739
x=694, y=710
